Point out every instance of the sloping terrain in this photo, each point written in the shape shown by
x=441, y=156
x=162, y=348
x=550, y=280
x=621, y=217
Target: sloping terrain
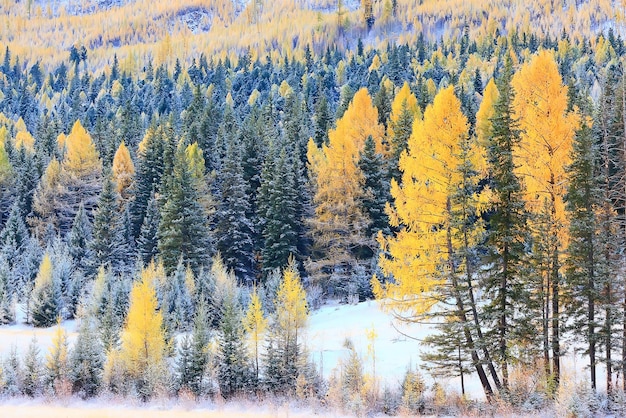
x=166, y=30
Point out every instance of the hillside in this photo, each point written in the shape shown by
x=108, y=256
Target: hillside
x=168, y=30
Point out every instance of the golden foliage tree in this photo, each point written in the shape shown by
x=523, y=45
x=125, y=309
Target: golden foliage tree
x=548, y=130
x=338, y=226
x=434, y=208
x=143, y=347
x=255, y=325
x=123, y=170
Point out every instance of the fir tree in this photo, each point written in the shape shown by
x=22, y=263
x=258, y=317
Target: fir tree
x=33, y=372
x=193, y=360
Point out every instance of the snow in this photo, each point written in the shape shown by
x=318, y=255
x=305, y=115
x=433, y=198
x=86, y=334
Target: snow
x=397, y=345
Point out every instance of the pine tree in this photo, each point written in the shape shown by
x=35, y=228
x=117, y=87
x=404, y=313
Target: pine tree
x=435, y=209
x=183, y=231
x=142, y=351
x=177, y=306
x=12, y=373
x=123, y=171
x=284, y=352
x=548, y=128
x=339, y=224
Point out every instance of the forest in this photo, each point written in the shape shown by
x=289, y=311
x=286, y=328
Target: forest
x=192, y=214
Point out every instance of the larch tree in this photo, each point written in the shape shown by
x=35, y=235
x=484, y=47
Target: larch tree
x=435, y=210
x=284, y=352
x=339, y=224
x=123, y=171
x=255, y=324
x=143, y=347
x=404, y=110
x=45, y=298
x=548, y=130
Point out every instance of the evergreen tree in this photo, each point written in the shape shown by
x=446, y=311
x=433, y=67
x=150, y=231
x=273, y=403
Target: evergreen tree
x=507, y=236
x=233, y=229
x=183, y=229
x=233, y=366
x=147, y=243
x=86, y=360
x=79, y=242
x=375, y=187
x=109, y=245
x=193, y=360
x=57, y=365
x=33, y=372
x=45, y=299
x=278, y=205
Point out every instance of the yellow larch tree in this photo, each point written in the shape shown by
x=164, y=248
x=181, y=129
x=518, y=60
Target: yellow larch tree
x=123, y=171
x=547, y=134
x=486, y=111
x=57, y=361
x=339, y=223
x=434, y=209
x=255, y=324
x=81, y=156
x=143, y=345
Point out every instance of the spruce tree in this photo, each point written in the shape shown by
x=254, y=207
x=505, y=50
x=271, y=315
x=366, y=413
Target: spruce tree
x=193, y=360
x=183, y=229
x=279, y=213
x=147, y=243
x=233, y=229
x=45, y=299
x=33, y=372
x=233, y=365
x=86, y=360
x=375, y=187
x=507, y=236
x=79, y=242
x=109, y=245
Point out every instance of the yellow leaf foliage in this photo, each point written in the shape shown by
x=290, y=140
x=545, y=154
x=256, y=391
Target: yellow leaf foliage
x=292, y=310
x=57, y=365
x=44, y=275
x=423, y=207
x=24, y=139
x=81, y=156
x=123, y=170
x=255, y=324
x=486, y=112
x=548, y=131
x=404, y=98
x=143, y=340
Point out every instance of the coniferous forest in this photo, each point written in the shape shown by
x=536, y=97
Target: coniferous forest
x=190, y=213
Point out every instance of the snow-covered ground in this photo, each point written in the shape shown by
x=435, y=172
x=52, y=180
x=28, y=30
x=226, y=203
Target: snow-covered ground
x=396, y=347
